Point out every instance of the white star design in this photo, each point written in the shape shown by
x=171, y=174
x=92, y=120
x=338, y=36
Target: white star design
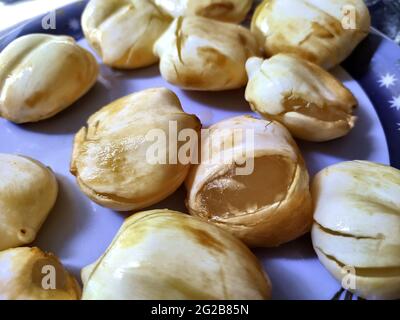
x=399, y=126
x=387, y=80
x=74, y=24
x=395, y=103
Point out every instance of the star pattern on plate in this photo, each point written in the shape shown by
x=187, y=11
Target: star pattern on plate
x=387, y=80
x=395, y=103
x=74, y=24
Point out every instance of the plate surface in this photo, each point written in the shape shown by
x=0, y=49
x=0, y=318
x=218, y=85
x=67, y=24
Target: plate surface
x=78, y=230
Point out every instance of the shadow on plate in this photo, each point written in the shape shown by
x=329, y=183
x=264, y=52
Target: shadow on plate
x=137, y=74
x=294, y=250
x=65, y=220
x=173, y=202
x=232, y=100
x=75, y=116
x=293, y=288
x=75, y=271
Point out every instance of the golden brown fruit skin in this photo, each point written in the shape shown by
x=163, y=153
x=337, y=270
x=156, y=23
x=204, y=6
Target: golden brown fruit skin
x=308, y=100
x=24, y=272
x=277, y=207
x=163, y=254
x=123, y=32
x=197, y=53
x=28, y=191
x=234, y=11
x=110, y=155
x=311, y=29
x=40, y=75
x=357, y=224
